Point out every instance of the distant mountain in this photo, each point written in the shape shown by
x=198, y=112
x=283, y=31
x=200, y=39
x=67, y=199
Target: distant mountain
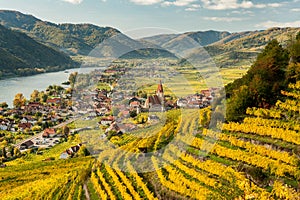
x=203, y=38
x=227, y=49
x=21, y=55
x=242, y=48
x=71, y=38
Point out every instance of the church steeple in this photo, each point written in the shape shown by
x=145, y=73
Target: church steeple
x=160, y=88
x=160, y=93
x=156, y=101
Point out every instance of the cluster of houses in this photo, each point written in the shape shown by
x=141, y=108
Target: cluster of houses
x=28, y=116
x=118, y=105
x=36, y=117
x=111, y=106
x=199, y=100
x=48, y=138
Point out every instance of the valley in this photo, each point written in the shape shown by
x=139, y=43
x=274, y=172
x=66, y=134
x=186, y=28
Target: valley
x=194, y=115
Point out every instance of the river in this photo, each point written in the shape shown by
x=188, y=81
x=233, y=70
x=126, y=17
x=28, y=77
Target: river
x=25, y=85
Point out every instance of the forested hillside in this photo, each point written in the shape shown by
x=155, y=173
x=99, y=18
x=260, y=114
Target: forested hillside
x=21, y=55
x=71, y=38
x=274, y=68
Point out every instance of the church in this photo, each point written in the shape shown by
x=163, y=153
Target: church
x=156, y=103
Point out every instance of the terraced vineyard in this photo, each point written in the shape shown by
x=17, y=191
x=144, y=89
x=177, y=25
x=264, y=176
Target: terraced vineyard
x=256, y=159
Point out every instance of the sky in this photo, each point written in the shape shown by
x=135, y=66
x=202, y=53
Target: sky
x=165, y=16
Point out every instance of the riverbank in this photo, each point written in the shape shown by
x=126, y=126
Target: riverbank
x=36, y=71
x=26, y=85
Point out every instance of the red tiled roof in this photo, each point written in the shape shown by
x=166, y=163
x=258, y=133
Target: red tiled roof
x=109, y=118
x=49, y=131
x=34, y=104
x=24, y=125
x=135, y=103
x=54, y=100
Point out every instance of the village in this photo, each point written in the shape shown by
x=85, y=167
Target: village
x=116, y=109
x=123, y=107
x=43, y=122
x=38, y=123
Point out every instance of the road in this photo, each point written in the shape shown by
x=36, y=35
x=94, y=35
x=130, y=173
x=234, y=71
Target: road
x=41, y=133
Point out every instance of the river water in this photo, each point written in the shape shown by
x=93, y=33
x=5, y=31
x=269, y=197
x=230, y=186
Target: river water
x=25, y=85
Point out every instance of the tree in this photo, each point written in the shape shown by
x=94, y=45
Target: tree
x=83, y=151
x=27, y=131
x=72, y=78
x=17, y=152
x=3, y=105
x=69, y=91
x=19, y=100
x=142, y=94
x=293, y=72
x=132, y=113
x=36, y=128
x=65, y=131
x=11, y=150
x=237, y=105
x=43, y=97
x=264, y=80
x=34, y=96
x=294, y=49
x=4, y=152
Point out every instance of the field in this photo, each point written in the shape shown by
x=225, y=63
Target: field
x=188, y=80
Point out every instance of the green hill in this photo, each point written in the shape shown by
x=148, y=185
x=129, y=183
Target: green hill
x=21, y=55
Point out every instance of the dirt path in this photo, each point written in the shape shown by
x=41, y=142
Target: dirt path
x=86, y=192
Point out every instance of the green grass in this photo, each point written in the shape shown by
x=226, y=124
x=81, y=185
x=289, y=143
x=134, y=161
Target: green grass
x=103, y=86
x=81, y=123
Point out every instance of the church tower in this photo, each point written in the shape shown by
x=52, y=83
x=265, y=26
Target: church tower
x=160, y=93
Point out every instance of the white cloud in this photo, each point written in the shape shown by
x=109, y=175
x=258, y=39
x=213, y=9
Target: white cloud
x=295, y=10
x=223, y=19
x=235, y=4
x=178, y=2
x=73, y=1
x=270, y=24
x=274, y=5
x=208, y=4
x=191, y=9
x=242, y=12
x=146, y=2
